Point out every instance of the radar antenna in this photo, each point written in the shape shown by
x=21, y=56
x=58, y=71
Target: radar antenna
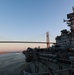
x=73, y=9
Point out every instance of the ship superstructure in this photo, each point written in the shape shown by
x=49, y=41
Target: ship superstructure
x=55, y=60
x=66, y=39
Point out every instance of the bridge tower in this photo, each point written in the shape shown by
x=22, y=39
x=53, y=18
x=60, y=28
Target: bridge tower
x=47, y=38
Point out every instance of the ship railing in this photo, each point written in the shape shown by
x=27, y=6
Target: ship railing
x=52, y=59
x=42, y=73
x=48, y=55
x=57, y=71
x=69, y=69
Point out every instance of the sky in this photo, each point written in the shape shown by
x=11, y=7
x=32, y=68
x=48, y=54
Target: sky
x=29, y=20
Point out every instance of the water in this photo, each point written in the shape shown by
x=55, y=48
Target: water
x=12, y=64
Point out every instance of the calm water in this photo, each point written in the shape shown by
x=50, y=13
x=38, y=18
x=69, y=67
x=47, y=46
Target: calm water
x=12, y=64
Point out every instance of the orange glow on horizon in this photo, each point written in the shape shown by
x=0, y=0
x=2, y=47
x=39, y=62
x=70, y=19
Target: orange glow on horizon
x=19, y=47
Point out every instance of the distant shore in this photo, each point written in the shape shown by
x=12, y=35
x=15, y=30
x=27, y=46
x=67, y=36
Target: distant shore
x=3, y=52
x=7, y=52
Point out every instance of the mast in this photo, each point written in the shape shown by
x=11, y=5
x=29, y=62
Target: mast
x=70, y=22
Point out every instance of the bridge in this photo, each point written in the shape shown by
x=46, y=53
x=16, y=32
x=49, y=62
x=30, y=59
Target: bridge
x=25, y=42
x=47, y=41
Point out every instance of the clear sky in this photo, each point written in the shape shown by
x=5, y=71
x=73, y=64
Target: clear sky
x=29, y=20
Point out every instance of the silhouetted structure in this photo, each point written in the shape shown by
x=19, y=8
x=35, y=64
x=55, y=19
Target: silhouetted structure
x=55, y=60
